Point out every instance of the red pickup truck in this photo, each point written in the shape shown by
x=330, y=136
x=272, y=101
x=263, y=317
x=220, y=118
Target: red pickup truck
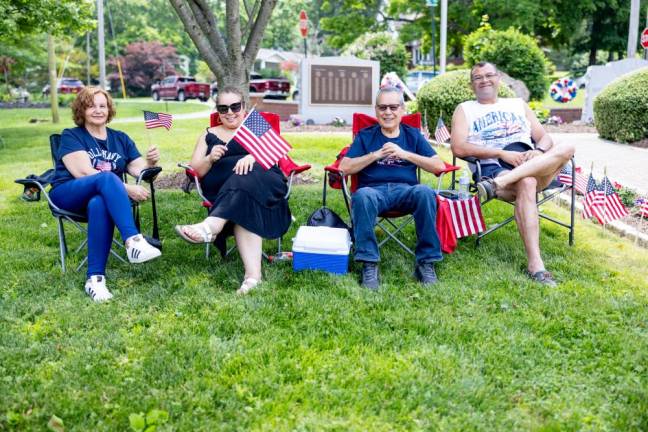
x=180, y=88
x=272, y=88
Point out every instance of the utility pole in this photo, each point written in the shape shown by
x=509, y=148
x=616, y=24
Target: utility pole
x=433, y=4
x=633, y=29
x=100, y=43
x=51, y=66
x=88, y=59
x=444, y=36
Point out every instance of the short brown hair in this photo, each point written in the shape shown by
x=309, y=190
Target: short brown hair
x=85, y=99
x=481, y=64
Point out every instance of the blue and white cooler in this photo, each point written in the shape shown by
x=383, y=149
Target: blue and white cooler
x=321, y=248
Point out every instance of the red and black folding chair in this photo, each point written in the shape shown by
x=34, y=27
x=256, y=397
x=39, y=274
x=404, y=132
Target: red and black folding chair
x=286, y=165
x=390, y=222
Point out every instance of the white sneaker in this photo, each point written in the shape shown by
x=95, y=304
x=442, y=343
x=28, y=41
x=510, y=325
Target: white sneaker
x=95, y=287
x=139, y=250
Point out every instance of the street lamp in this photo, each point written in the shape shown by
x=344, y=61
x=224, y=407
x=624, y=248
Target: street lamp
x=433, y=4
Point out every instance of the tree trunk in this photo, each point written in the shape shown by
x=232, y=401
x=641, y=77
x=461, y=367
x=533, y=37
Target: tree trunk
x=51, y=65
x=222, y=53
x=594, y=35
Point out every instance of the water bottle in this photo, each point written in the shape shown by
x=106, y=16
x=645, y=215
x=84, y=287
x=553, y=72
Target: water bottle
x=464, y=184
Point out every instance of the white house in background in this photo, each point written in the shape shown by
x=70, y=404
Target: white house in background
x=418, y=57
x=272, y=59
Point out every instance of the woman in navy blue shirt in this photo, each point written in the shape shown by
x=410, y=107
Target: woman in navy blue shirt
x=90, y=163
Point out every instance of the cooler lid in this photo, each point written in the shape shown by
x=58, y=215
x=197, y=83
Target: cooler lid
x=334, y=241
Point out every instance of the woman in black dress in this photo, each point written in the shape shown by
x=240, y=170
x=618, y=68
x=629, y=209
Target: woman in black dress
x=248, y=201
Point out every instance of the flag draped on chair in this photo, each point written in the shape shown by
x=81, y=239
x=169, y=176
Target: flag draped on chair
x=261, y=141
x=467, y=217
x=441, y=133
x=155, y=120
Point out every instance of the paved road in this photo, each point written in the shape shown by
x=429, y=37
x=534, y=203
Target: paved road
x=625, y=164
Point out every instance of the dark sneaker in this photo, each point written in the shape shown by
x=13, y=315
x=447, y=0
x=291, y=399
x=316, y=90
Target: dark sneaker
x=543, y=277
x=486, y=189
x=425, y=274
x=370, y=275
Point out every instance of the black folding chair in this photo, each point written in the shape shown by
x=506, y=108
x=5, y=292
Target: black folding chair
x=35, y=186
x=554, y=189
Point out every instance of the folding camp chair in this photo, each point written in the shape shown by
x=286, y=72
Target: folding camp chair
x=40, y=183
x=554, y=189
x=390, y=222
x=287, y=166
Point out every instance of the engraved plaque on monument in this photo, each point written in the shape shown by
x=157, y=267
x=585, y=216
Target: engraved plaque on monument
x=339, y=84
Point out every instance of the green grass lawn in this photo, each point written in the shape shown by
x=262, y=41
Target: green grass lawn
x=484, y=349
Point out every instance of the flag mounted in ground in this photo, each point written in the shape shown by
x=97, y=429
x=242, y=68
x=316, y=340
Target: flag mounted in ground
x=467, y=217
x=594, y=199
x=614, y=208
x=441, y=133
x=261, y=141
x=565, y=177
x=155, y=120
x=643, y=208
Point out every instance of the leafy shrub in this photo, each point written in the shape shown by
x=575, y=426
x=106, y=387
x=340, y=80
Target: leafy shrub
x=620, y=112
x=441, y=95
x=382, y=47
x=515, y=53
x=541, y=113
x=65, y=100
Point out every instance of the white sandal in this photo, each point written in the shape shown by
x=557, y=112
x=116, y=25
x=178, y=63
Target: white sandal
x=247, y=286
x=201, y=228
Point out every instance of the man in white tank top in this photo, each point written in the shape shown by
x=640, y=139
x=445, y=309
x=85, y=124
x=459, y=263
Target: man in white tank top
x=481, y=129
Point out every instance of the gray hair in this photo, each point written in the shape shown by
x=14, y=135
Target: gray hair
x=391, y=89
x=481, y=64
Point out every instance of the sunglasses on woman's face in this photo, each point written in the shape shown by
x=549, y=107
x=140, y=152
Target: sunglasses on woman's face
x=235, y=107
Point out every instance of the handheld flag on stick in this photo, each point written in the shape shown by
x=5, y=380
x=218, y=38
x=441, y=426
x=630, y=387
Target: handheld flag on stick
x=441, y=133
x=155, y=120
x=261, y=141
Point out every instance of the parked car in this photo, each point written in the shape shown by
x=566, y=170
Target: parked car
x=65, y=86
x=180, y=88
x=415, y=79
x=272, y=88
x=19, y=94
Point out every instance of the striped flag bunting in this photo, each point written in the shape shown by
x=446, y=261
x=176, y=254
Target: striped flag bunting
x=155, y=120
x=467, y=217
x=441, y=133
x=261, y=141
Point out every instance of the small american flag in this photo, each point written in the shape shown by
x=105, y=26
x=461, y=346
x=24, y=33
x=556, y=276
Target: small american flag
x=565, y=177
x=614, y=208
x=155, y=120
x=261, y=141
x=643, y=208
x=467, y=217
x=441, y=133
x=594, y=199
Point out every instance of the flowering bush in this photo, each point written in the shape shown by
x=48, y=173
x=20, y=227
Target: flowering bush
x=555, y=120
x=627, y=195
x=295, y=120
x=338, y=122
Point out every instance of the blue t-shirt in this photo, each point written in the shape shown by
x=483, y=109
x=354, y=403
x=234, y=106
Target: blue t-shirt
x=113, y=154
x=389, y=170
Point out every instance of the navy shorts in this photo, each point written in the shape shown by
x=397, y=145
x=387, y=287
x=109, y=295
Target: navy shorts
x=489, y=170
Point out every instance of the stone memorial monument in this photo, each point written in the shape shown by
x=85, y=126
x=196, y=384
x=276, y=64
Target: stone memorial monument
x=337, y=87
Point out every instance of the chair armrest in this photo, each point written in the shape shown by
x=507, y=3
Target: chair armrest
x=148, y=175
x=448, y=168
x=300, y=169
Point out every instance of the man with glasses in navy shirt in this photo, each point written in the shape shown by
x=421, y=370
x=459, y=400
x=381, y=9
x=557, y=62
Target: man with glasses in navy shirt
x=385, y=157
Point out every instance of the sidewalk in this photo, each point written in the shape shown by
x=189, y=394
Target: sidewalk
x=625, y=164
